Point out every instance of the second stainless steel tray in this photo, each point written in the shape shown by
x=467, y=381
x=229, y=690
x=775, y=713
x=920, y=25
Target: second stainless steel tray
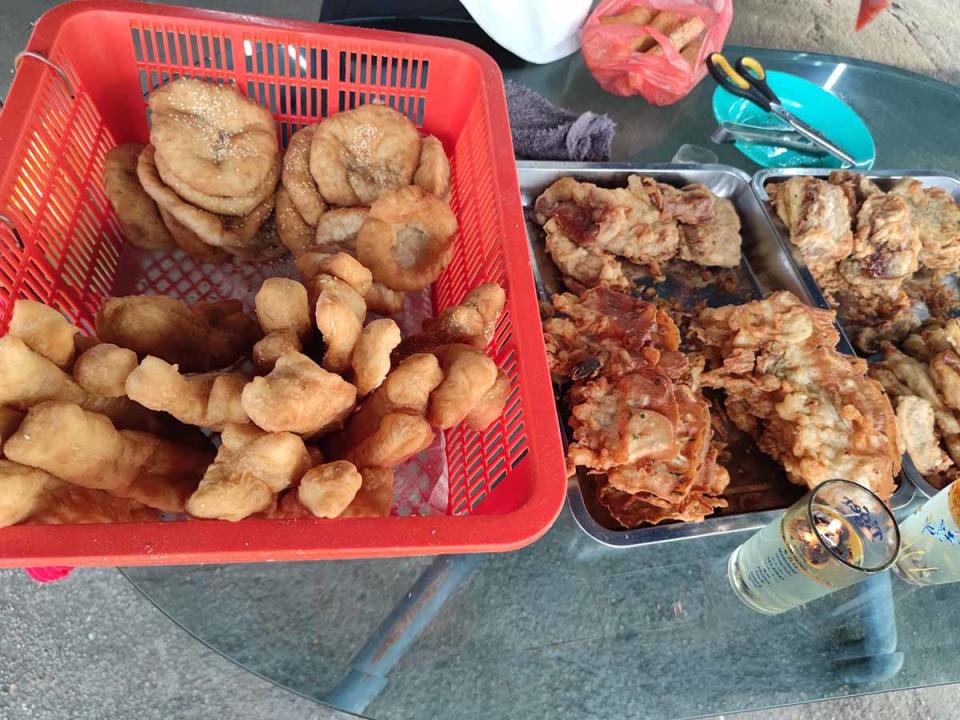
x=883, y=178
x=766, y=266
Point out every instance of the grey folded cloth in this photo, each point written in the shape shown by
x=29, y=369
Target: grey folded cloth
x=543, y=131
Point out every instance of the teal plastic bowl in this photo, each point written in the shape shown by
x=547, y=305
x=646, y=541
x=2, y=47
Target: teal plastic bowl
x=812, y=104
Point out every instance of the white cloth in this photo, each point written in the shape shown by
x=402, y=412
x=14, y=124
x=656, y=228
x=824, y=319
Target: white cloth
x=539, y=31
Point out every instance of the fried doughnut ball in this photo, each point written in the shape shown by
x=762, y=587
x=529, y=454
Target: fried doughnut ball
x=10, y=420
x=209, y=400
x=293, y=230
x=347, y=268
x=340, y=312
x=29, y=378
x=468, y=375
x=44, y=330
x=358, y=155
x=272, y=347
x=236, y=206
x=490, y=406
x=104, y=368
x=298, y=181
x=327, y=490
x=398, y=438
x=371, y=355
x=433, y=171
x=221, y=142
x=208, y=336
x=407, y=240
x=190, y=242
x=282, y=304
x=251, y=467
x=136, y=211
x=236, y=236
x=298, y=396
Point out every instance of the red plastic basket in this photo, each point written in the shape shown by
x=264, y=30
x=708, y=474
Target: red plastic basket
x=80, y=89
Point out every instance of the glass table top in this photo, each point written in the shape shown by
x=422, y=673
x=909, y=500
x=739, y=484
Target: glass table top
x=568, y=628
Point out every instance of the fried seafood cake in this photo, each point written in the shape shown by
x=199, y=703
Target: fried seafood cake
x=104, y=368
x=588, y=266
x=472, y=322
x=233, y=235
x=885, y=247
x=407, y=239
x=137, y=212
x=358, y=155
x=212, y=136
x=208, y=336
x=298, y=396
x=294, y=232
x=714, y=242
x=251, y=467
x=810, y=407
x=625, y=421
x=327, y=490
x=616, y=221
x=915, y=422
x=468, y=374
x=818, y=218
x=606, y=332
x=44, y=330
x=190, y=242
x=433, y=170
x=209, y=400
x=691, y=204
x=857, y=187
x=936, y=217
x=297, y=180
x=85, y=449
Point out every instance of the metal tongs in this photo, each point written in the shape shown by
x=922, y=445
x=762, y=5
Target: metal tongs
x=730, y=132
x=749, y=81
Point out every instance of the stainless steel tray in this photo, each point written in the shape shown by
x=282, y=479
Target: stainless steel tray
x=766, y=267
x=883, y=178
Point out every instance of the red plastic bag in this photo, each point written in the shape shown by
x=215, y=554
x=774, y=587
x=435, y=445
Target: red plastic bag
x=661, y=75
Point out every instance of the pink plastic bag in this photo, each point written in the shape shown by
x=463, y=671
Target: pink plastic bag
x=661, y=76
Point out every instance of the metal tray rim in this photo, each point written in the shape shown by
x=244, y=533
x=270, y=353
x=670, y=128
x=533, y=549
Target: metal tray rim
x=656, y=534
x=757, y=183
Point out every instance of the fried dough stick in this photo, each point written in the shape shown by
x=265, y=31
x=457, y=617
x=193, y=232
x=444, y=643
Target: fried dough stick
x=251, y=467
x=31, y=495
x=85, y=449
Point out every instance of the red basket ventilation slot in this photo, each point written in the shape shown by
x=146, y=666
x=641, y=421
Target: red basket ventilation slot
x=65, y=248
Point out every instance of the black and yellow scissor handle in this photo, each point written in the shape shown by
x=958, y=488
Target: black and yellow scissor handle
x=747, y=80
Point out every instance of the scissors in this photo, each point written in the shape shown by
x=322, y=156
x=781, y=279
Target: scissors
x=749, y=81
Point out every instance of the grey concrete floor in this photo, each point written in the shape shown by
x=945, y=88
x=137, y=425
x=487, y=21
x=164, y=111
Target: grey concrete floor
x=92, y=647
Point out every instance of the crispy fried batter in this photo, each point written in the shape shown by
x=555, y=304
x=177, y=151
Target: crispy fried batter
x=915, y=422
x=282, y=304
x=714, y=241
x=398, y=438
x=339, y=314
x=490, y=406
x=44, y=330
x=274, y=345
x=375, y=496
x=936, y=217
x=296, y=235
x=251, y=467
x=298, y=396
